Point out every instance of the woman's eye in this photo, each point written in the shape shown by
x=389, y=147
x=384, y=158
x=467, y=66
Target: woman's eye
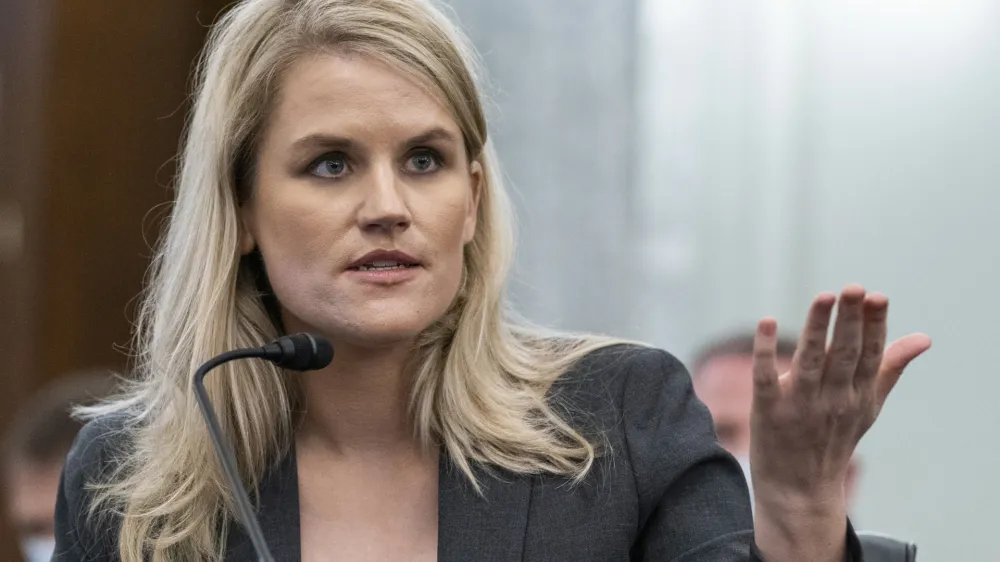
x=423, y=162
x=329, y=166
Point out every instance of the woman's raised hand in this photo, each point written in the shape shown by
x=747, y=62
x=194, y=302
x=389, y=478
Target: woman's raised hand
x=806, y=423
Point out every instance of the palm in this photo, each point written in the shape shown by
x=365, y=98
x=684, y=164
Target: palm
x=808, y=421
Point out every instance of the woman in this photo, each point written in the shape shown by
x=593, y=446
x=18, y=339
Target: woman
x=337, y=179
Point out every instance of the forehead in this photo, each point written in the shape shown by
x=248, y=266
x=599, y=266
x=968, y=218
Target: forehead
x=730, y=377
x=354, y=95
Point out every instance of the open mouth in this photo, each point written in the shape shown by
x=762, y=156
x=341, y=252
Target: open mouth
x=384, y=265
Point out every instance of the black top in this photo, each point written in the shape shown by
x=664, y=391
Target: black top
x=664, y=490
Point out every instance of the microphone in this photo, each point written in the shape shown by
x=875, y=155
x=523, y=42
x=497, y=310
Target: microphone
x=298, y=352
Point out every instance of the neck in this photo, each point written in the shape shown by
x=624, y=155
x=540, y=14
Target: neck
x=359, y=403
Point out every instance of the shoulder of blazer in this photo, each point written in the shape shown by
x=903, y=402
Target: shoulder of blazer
x=598, y=387
x=95, y=449
x=91, y=460
x=616, y=366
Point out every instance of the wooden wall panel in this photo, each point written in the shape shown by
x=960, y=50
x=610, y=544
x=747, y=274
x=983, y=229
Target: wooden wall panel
x=93, y=96
x=125, y=66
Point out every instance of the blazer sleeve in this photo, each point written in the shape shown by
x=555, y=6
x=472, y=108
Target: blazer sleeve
x=80, y=537
x=694, y=504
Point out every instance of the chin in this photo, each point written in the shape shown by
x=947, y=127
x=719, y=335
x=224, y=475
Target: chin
x=380, y=332
x=374, y=339
x=368, y=328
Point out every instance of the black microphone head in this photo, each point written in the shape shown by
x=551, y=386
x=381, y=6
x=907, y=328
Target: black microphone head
x=300, y=352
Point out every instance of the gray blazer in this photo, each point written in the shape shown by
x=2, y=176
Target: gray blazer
x=662, y=491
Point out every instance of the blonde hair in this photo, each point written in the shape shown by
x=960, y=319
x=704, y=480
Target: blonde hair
x=480, y=375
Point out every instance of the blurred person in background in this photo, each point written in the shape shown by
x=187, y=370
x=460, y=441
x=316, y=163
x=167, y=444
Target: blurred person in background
x=35, y=447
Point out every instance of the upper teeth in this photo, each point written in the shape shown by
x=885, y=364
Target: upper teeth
x=381, y=264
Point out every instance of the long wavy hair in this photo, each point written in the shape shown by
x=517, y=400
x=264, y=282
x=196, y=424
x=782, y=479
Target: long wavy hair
x=481, y=375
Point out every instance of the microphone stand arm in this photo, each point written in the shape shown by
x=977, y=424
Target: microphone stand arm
x=225, y=452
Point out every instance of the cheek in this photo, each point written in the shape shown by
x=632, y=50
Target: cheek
x=298, y=239
x=444, y=224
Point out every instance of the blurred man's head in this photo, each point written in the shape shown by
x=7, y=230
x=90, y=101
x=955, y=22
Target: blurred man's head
x=722, y=373
x=35, y=448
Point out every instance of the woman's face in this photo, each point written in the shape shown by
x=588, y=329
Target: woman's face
x=363, y=201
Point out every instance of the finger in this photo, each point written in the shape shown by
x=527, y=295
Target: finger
x=810, y=354
x=848, y=335
x=876, y=311
x=765, y=370
x=897, y=356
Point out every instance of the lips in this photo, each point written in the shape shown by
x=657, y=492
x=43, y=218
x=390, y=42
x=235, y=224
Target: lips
x=383, y=260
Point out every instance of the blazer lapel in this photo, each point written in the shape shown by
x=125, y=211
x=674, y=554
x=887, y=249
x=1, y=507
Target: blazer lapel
x=488, y=527
x=278, y=516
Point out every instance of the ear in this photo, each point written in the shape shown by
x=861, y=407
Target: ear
x=247, y=239
x=477, y=177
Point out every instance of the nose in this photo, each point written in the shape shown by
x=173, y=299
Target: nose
x=384, y=209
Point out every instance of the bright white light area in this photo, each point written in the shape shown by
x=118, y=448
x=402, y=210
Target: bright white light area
x=919, y=38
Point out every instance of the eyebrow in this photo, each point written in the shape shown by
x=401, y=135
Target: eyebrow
x=320, y=140
x=337, y=142
x=435, y=134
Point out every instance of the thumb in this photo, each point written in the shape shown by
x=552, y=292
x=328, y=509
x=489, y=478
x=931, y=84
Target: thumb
x=897, y=356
